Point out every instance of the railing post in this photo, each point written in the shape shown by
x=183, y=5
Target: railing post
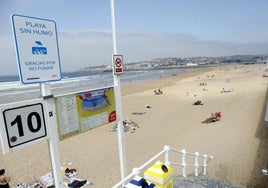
x=196, y=164
x=183, y=163
x=136, y=171
x=167, y=162
x=205, y=165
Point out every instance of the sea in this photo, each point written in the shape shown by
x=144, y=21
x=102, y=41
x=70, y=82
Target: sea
x=12, y=90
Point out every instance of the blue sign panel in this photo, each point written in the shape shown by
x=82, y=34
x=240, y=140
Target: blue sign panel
x=37, y=49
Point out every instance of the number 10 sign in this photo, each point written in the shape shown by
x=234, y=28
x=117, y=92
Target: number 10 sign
x=24, y=124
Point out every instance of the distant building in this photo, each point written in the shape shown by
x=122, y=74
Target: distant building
x=191, y=64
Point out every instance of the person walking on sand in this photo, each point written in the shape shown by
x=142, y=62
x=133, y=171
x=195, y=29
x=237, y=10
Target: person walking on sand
x=4, y=180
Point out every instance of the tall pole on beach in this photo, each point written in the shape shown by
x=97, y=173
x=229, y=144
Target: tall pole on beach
x=119, y=114
x=53, y=138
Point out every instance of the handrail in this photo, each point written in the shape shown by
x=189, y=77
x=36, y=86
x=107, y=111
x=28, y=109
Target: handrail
x=136, y=170
x=196, y=165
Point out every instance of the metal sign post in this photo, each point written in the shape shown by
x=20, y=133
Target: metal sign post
x=118, y=104
x=38, y=61
x=52, y=129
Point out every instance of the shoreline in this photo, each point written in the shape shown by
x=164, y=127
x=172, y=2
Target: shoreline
x=161, y=82
x=238, y=141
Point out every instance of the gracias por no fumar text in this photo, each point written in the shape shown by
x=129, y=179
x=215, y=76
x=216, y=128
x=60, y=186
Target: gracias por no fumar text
x=40, y=65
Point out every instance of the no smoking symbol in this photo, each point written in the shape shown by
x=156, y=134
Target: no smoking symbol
x=118, y=62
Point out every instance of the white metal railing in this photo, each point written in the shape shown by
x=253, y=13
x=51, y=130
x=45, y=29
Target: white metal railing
x=265, y=171
x=196, y=165
x=183, y=164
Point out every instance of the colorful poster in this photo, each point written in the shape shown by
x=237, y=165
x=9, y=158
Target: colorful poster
x=83, y=111
x=96, y=107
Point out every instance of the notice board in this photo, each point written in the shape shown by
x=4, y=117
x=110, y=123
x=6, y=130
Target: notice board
x=82, y=111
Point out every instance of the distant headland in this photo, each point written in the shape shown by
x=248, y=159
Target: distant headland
x=179, y=62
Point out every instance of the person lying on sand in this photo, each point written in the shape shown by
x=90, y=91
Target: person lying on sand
x=198, y=103
x=264, y=75
x=132, y=125
x=127, y=125
x=226, y=90
x=214, y=117
x=202, y=84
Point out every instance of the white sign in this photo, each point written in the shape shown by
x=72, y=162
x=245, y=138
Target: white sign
x=37, y=49
x=24, y=124
x=118, y=64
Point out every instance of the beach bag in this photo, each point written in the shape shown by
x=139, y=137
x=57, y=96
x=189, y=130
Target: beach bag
x=139, y=182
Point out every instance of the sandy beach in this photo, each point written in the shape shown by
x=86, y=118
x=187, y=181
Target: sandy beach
x=238, y=141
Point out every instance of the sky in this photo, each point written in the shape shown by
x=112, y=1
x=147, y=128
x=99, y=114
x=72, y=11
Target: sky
x=145, y=29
